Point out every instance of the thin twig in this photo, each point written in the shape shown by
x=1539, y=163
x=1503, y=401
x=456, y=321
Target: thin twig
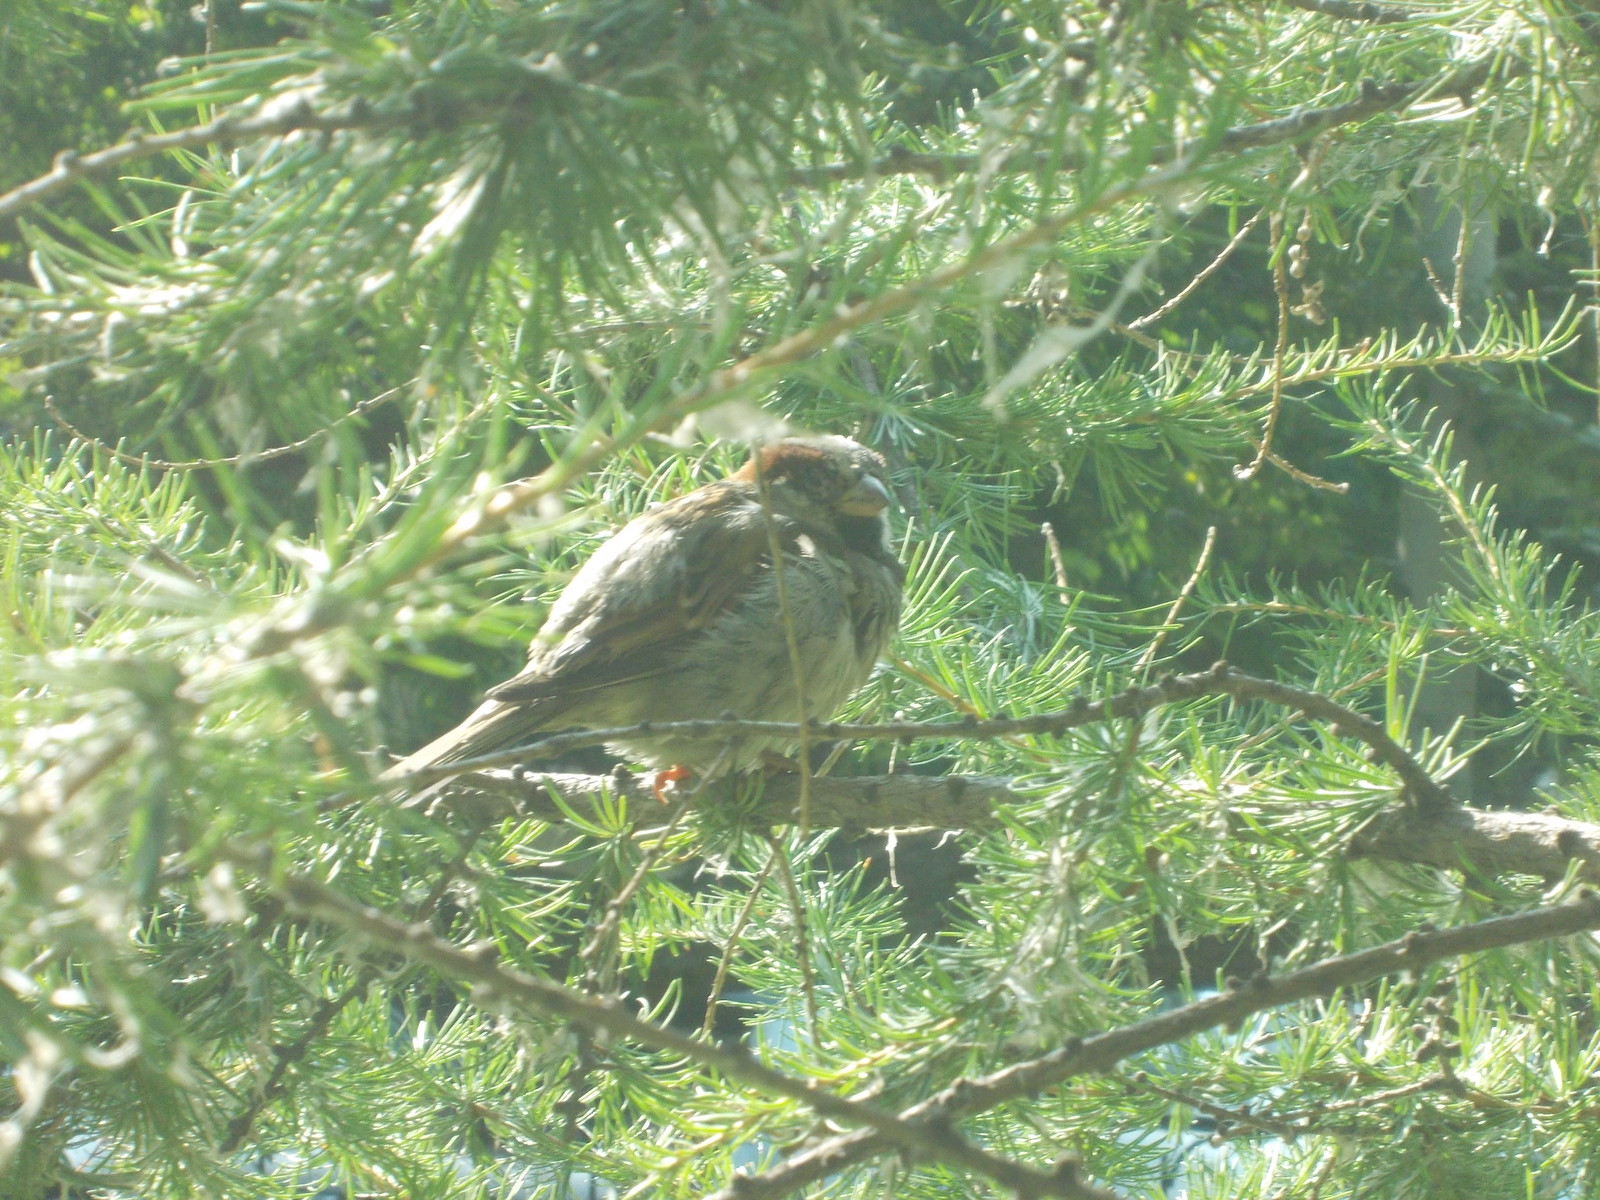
x=1305, y=477
x=1299, y=1124
x=802, y=939
x=286, y=1055
x=1280, y=288
x=1169, y=621
x=1458, y=288
x=145, y=462
x=1206, y=273
x=1437, y=284
x=598, y=953
x=230, y=129
x=720, y=980
x=780, y=579
x=1372, y=1099
x=1375, y=99
x=1058, y=562
x=1221, y=1113
x=1290, y=718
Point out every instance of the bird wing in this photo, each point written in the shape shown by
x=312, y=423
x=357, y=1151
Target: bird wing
x=658, y=580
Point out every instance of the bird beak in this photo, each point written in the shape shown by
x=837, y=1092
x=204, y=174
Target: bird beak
x=867, y=499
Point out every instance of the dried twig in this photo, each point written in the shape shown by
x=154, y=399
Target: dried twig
x=144, y=461
x=802, y=939
x=1058, y=562
x=720, y=980
x=1280, y=348
x=1204, y=274
x=1178, y=601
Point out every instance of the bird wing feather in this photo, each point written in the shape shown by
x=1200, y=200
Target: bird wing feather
x=657, y=581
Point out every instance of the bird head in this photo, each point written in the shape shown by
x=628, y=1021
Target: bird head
x=827, y=484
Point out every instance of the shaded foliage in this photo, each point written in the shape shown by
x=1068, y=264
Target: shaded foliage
x=305, y=429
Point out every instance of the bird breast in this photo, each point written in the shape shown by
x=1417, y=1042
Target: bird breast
x=841, y=607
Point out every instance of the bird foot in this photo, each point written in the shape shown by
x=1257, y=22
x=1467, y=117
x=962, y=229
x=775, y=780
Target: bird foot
x=658, y=786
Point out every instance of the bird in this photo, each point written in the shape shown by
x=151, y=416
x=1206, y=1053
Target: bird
x=681, y=615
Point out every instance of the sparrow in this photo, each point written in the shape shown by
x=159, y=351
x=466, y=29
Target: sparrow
x=678, y=616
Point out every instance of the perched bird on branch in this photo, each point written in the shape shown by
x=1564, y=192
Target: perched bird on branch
x=683, y=614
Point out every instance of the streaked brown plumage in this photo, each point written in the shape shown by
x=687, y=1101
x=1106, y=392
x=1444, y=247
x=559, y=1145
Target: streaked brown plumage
x=677, y=616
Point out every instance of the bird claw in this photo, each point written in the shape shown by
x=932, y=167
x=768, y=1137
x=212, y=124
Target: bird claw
x=658, y=785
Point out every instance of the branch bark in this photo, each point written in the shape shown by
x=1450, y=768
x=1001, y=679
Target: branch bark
x=236, y=127
x=927, y=1128
x=1484, y=843
x=1478, y=842
x=1101, y=1052
x=863, y=803
x=1220, y=680
x=501, y=988
x=1428, y=825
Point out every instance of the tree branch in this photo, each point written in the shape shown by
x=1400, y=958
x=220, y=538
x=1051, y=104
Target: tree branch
x=923, y=1129
x=1435, y=831
x=230, y=129
x=1484, y=843
x=1356, y=10
x=145, y=462
x=862, y=803
x=1481, y=843
x=1134, y=702
x=498, y=987
x=1375, y=100
x=1101, y=1052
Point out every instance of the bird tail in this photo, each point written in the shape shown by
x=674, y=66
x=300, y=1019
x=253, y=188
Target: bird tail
x=491, y=726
